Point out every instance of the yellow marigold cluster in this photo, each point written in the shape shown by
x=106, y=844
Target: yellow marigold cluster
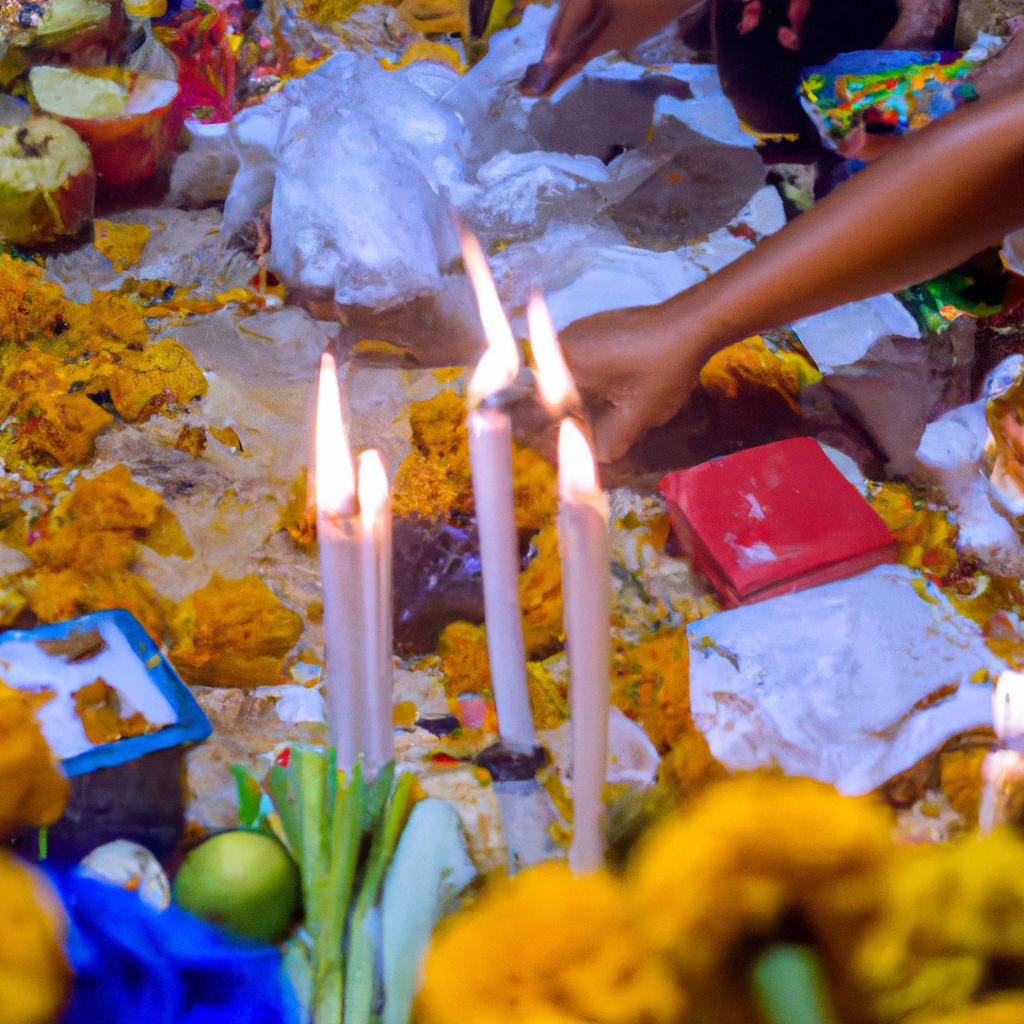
x=951, y=915
x=651, y=683
x=66, y=368
x=83, y=549
x=750, y=365
x=34, y=976
x=926, y=536
x=232, y=632
x=435, y=481
x=547, y=947
x=754, y=857
x=33, y=789
x=1007, y=1010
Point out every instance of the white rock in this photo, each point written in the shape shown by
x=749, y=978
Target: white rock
x=841, y=336
x=130, y=866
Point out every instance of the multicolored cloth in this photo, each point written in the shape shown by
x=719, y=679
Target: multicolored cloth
x=886, y=92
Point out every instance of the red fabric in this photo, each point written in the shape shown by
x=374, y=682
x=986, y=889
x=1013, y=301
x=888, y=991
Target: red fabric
x=774, y=519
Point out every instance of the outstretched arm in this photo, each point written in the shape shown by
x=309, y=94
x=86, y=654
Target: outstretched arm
x=932, y=202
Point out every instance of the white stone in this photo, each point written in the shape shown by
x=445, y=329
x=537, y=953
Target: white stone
x=841, y=336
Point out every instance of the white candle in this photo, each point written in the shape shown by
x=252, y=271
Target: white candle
x=340, y=567
x=586, y=592
x=587, y=601
x=1003, y=770
x=375, y=517
x=490, y=451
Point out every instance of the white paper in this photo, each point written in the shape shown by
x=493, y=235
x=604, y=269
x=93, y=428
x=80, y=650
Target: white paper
x=825, y=682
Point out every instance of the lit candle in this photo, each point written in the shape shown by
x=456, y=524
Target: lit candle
x=490, y=452
x=1003, y=769
x=586, y=593
x=587, y=602
x=375, y=517
x=337, y=524
x=554, y=382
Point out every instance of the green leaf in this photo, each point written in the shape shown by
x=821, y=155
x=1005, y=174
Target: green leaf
x=250, y=796
x=790, y=987
x=360, y=971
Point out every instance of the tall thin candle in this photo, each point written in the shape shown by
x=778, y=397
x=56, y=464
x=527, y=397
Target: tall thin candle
x=586, y=592
x=490, y=450
x=375, y=516
x=586, y=595
x=340, y=566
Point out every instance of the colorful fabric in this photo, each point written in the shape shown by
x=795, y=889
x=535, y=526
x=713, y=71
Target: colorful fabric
x=885, y=92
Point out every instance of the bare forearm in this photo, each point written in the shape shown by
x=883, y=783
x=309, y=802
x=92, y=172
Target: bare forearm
x=935, y=200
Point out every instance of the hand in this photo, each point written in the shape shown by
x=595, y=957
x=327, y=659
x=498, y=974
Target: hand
x=633, y=372
x=921, y=25
x=585, y=29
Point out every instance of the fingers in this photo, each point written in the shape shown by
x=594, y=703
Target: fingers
x=573, y=40
x=616, y=427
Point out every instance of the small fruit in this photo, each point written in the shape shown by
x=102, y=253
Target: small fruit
x=126, y=119
x=243, y=881
x=47, y=183
x=62, y=92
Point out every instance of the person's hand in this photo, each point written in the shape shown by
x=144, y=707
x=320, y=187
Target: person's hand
x=921, y=25
x=633, y=371
x=584, y=29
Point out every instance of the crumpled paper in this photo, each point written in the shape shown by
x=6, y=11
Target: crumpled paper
x=952, y=457
x=361, y=165
x=350, y=158
x=849, y=683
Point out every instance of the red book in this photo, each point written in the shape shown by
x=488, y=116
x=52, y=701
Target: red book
x=774, y=519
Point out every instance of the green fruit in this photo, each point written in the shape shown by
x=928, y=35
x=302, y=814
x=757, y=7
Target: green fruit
x=243, y=881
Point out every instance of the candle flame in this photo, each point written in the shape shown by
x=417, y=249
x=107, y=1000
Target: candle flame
x=373, y=487
x=335, y=474
x=577, y=469
x=1008, y=707
x=499, y=366
x=557, y=388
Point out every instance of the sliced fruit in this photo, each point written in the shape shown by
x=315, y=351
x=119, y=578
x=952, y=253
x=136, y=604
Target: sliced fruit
x=62, y=92
x=47, y=183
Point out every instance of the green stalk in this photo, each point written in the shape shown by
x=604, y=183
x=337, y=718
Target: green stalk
x=344, y=844
x=360, y=972
x=790, y=987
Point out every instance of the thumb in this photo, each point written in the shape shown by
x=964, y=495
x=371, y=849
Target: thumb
x=578, y=25
x=616, y=427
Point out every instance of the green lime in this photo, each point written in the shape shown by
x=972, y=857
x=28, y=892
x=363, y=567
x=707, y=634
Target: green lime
x=243, y=881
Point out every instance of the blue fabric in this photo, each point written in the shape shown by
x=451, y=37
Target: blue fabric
x=134, y=965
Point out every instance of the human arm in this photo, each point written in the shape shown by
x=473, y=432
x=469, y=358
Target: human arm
x=937, y=198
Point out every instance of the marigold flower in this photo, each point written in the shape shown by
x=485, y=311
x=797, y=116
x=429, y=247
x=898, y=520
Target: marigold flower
x=1009, y=1010
x=232, y=632
x=950, y=914
x=755, y=860
x=34, y=975
x=33, y=790
x=547, y=947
